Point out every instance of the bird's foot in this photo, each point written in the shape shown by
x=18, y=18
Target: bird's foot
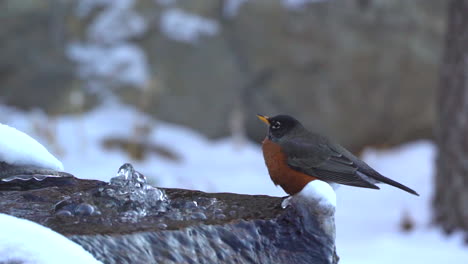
x=286, y=202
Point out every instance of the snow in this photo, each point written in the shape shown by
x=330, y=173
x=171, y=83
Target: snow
x=123, y=63
x=18, y=148
x=23, y=241
x=367, y=221
x=319, y=192
x=107, y=56
x=117, y=23
x=186, y=27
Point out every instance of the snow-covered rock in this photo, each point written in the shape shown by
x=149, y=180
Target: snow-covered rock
x=23, y=241
x=319, y=192
x=317, y=199
x=17, y=148
x=144, y=224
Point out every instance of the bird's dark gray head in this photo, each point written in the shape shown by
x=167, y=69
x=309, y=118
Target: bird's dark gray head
x=281, y=126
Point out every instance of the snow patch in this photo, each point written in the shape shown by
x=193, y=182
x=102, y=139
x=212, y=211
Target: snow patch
x=123, y=63
x=23, y=241
x=319, y=192
x=18, y=148
x=116, y=24
x=106, y=58
x=185, y=27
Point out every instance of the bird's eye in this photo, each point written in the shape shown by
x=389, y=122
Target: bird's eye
x=276, y=125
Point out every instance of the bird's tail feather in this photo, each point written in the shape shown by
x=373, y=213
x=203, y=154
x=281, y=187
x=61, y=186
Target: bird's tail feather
x=398, y=185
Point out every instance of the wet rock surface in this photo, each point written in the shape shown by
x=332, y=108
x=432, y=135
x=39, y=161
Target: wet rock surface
x=129, y=221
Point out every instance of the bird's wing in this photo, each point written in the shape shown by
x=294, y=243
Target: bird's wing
x=322, y=161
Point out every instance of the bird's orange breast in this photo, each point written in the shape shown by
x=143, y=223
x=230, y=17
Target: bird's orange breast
x=290, y=180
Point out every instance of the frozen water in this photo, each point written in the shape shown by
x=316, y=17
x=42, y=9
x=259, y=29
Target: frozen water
x=127, y=176
x=84, y=209
x=319, y=192
x=133, y=190
x=317, y=199
x=128, y=195
x=17, y=148
x=23, y=241
x=197, y=208
x=21, y=173
x=24, y=177
x=74, y=206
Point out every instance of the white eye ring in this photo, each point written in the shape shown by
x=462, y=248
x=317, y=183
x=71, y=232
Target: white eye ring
x=276, y=125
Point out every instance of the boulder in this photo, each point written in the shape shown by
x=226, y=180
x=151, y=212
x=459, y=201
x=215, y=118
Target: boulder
x=129, y=221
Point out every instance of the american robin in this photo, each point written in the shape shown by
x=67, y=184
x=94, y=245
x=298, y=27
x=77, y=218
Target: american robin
x=295, y=156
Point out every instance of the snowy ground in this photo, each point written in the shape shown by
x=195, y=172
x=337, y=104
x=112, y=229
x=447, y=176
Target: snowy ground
x=23, y=241
x=368, y=221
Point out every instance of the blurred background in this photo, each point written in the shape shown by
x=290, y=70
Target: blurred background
x=173, y=86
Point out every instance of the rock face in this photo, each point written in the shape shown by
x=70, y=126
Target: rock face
x=32, y=57
x=364, y=70
x=128, y=221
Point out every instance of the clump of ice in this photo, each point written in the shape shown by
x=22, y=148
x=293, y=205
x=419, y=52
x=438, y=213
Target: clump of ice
x=23, y=241
x=128, y=194
x=17, y=148
x=133, y=190
x=23, y=177
x=186, y=27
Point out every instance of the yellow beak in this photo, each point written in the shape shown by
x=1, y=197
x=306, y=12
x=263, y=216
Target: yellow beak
x=264, y=119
